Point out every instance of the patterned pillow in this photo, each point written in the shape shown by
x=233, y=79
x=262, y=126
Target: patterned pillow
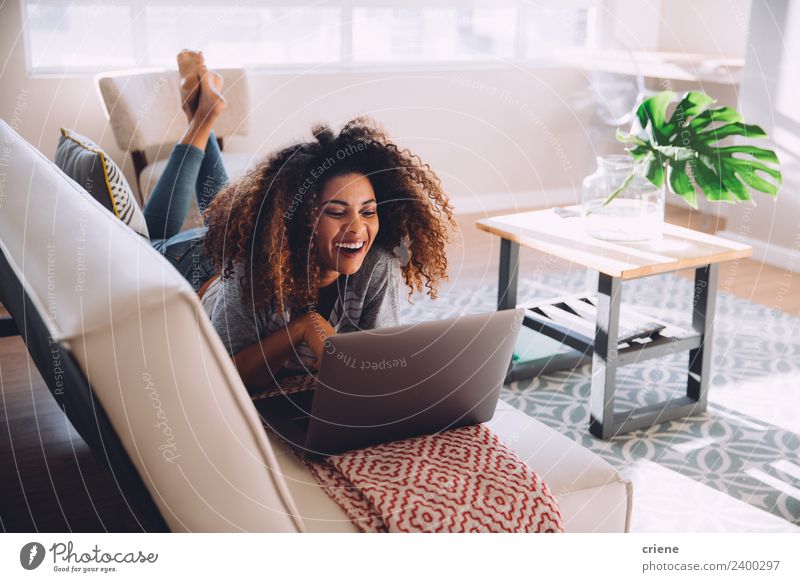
x=85, y=162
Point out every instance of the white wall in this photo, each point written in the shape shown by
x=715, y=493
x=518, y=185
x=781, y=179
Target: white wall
x=769, y=97
x=630, y=24
x=484, y=131
x=711, y=27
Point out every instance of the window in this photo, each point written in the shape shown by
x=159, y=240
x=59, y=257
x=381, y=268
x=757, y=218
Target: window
x=90, y=35
x=246, y=35
x=433, y=34
x=79, y=35
x=552, y=29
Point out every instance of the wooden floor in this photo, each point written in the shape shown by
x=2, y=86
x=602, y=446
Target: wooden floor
x=51, y=480
x=53, y=483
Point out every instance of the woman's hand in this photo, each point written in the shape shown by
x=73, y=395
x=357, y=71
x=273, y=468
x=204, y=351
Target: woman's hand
x=316, y=330
x=258, y=363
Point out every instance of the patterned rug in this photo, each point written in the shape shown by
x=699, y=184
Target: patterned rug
x=735, y=467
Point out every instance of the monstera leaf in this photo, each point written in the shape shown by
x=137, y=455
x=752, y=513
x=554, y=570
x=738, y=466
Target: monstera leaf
x=684, y=150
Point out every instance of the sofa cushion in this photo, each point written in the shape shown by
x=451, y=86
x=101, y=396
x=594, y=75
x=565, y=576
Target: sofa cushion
x=591, y=494
x=85, y=162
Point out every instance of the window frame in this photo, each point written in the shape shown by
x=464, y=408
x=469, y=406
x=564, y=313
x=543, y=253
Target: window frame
x=345, y=64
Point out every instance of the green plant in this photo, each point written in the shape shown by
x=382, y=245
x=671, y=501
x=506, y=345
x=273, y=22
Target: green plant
x=684, y=150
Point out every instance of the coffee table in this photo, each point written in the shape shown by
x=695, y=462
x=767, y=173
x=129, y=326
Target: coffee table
x=567, y=319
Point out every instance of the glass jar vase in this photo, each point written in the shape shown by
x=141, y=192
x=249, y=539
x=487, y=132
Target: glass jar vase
x=635, y=214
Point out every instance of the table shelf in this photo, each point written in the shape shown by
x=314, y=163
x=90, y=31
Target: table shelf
x=573, y=330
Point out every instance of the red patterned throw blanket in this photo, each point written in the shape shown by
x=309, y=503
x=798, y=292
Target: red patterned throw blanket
x=459, y=480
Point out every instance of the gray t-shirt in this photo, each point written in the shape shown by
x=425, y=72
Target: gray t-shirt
x=366, y=300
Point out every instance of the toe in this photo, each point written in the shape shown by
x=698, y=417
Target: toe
x=185, y=59
x=189, y=62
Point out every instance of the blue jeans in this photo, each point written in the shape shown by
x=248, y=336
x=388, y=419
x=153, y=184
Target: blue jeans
x=189, y=172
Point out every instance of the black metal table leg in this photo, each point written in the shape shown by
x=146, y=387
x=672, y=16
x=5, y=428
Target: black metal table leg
x=604, y=422
x=507, y=283
x=703, y=305
x=604, y=358
x=508, y=275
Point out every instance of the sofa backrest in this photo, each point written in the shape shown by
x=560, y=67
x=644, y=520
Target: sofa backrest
x=137, y=333
x=143, y=106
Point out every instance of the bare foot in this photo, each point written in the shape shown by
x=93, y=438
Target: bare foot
x=189, y=64
x=211, y=102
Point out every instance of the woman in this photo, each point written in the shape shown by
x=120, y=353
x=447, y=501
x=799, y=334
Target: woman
x=313, y=241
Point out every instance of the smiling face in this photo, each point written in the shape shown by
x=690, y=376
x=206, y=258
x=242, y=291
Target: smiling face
x=347, y=225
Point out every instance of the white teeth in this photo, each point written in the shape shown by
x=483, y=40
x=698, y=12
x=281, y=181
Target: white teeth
x=353, y=246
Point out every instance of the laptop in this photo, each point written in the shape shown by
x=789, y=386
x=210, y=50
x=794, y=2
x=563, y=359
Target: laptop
x=387, y=384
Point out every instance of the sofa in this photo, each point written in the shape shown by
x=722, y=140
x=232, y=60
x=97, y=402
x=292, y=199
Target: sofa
x=124, y=346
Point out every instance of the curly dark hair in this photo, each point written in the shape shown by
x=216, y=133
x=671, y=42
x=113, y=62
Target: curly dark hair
x=264, y=222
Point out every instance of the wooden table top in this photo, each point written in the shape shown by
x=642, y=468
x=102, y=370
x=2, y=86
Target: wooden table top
x=566, y=238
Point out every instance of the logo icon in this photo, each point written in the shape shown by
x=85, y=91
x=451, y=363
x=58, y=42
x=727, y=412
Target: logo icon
x=31, y=555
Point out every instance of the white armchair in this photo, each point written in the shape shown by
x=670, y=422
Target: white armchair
x=143, y=107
